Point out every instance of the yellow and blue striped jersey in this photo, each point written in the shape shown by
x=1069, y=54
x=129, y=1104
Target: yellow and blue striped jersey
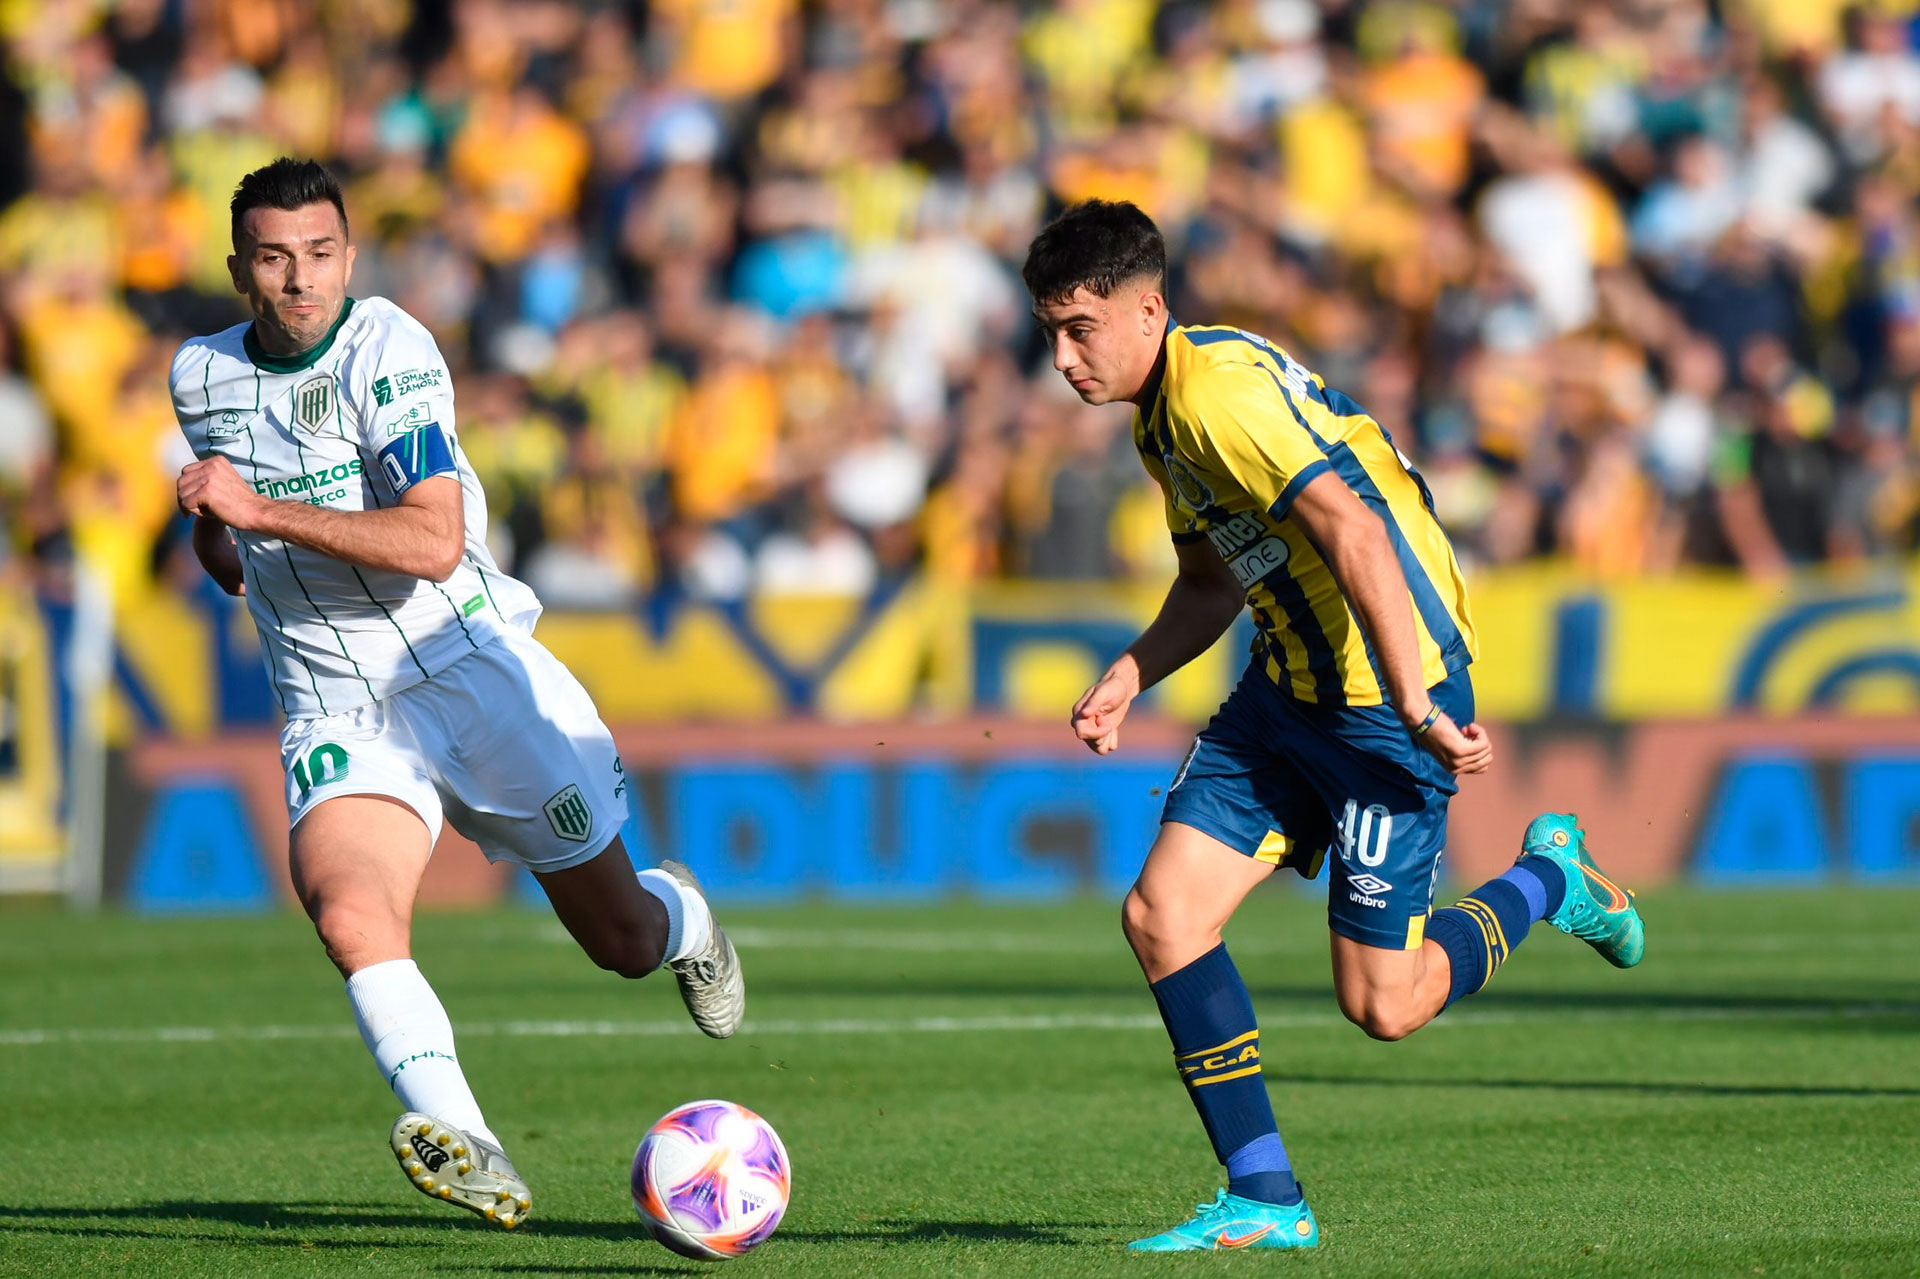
x=1235, y=430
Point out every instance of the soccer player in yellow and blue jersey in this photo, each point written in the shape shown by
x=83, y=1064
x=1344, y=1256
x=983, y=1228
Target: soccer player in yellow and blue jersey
x=1347, y=730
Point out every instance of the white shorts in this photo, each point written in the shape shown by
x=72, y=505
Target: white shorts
x=504, y=742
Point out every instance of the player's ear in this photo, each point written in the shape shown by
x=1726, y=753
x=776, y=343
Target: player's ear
x=1153, y=312
x=348, y=277
x=233, y=273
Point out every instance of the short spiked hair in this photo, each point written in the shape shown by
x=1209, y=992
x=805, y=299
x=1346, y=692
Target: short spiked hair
x=287, y=183
x=1096, y=245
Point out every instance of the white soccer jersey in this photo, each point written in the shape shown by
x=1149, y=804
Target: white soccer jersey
x=349, y=425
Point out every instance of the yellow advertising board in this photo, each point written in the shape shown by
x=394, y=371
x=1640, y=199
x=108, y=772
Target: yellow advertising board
x=1698, y=645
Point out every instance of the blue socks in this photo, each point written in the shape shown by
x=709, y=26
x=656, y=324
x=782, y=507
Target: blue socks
x=1216, y=1041
x=1216, y=1048
x=1480, y=930
x=1261, y=1170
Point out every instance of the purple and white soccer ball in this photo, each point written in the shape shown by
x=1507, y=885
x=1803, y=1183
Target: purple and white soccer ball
x=711, y=1180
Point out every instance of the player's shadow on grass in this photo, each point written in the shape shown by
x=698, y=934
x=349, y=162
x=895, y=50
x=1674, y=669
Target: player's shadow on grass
x=1649, y=1087
x=900, y=1230
x=279, y=1224
x=1854, y=1001
x=887, y=1229
x=687, y=1267
x=1870, y=1004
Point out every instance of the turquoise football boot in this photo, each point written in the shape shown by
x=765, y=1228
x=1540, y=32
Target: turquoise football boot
x=1595, y=909
x=1232, y=1222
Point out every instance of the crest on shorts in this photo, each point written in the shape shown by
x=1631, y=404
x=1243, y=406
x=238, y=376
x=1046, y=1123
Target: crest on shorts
x=314, y=403
x=568, y=814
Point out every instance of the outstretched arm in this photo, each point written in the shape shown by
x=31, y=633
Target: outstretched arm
x=1202, y=602
x=422, y=536
x=1355, y=544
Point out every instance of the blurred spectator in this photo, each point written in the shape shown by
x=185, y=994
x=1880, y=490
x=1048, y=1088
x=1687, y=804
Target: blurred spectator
x=722, y=443
x=1680, y=218
x=730, y=287
x=26, y=434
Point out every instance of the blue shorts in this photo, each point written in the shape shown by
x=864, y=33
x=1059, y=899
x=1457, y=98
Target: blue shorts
x=1284, y=781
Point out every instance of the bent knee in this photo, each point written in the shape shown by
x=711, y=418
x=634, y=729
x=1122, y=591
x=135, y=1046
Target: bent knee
x=357, y=934
x=1165, y=940
x=1152, y=928
x=1383, y=1018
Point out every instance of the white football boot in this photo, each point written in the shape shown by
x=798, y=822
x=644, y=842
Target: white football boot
x=445, y=1163
x=711, y=983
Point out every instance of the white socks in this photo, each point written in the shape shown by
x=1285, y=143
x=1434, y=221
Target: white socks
x=408, y=1033
x=689, y=922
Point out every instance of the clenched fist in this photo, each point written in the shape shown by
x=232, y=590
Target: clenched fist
x=212, y=488
x=1097, y=715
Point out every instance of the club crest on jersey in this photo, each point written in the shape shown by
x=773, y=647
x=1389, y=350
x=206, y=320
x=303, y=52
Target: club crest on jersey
x=225, y=428
x=1191, y=488
x=568, y=814
x=314, y=403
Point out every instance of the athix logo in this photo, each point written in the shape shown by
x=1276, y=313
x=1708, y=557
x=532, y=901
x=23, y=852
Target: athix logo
x=568, y=814
x=226, y=428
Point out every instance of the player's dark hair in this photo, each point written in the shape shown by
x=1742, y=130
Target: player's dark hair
x=1096, y=245
x=289, y=184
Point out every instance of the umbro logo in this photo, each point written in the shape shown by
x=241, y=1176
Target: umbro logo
x=1370, y=884
x=430, y=1155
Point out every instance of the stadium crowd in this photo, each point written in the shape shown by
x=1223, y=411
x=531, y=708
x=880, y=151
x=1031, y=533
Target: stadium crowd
x=731, y=287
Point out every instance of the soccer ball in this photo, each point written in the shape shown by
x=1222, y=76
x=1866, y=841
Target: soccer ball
x=711, y=1180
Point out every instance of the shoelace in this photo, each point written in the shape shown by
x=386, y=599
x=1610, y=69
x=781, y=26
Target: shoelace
x=1218, y=1204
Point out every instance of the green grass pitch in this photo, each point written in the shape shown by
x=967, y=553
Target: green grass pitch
x=979, y=1090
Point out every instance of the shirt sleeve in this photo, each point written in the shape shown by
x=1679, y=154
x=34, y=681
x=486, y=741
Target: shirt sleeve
x=401, y=394
x=186, y=380
x=1238, y=421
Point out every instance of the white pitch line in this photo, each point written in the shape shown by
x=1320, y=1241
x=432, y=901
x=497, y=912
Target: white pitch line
x=1002, y=943
x=1315, y=943
x=1012, y=1023
x=940, y=943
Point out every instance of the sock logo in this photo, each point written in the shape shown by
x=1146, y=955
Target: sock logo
x=1492, y=934
x=1234, y=1059
x=430, y=1155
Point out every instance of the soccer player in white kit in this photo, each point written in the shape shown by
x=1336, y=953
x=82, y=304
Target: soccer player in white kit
x=331, y=492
